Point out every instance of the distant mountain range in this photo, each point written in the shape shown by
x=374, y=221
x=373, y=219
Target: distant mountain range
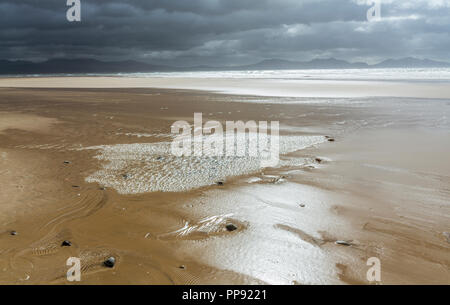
x=79, y=66
x=332, y=63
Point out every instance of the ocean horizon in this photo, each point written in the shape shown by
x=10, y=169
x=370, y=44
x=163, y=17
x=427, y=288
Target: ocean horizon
x=372, y=74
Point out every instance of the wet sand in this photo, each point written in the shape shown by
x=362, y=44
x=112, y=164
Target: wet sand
x=381, y=186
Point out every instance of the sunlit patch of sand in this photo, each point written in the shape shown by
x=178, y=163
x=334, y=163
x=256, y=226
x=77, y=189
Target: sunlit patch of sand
x=26, y=122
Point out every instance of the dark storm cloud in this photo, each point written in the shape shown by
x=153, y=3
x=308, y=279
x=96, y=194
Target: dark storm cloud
x=190, y=32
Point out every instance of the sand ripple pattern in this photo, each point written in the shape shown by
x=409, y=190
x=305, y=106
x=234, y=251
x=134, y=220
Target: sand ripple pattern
x=50, y=244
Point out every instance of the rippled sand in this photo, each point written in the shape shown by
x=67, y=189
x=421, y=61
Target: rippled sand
x=381, y=187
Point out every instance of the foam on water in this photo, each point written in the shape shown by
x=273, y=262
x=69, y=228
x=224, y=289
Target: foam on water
x=386, y=74
x=151, y=167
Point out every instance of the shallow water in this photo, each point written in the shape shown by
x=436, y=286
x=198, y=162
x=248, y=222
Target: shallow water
x=151, y=167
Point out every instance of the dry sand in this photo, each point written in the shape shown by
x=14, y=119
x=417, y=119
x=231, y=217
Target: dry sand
x=366, y=188
x=264, y=87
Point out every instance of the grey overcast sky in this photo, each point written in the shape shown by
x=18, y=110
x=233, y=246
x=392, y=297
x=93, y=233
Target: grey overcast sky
x=224, y=32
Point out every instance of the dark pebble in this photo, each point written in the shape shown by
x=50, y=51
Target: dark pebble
x=75, y=186
x=220, y=183
x=302, y=205
x=331, y=140
x=231, y=227
x=318, y=160
x=182, y=267
x=13, y=233
x=110, y=262
x=66, y=243
x=66, y=162
x=125, y=176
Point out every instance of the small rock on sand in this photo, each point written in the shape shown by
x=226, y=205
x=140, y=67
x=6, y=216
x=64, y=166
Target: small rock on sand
x=66, y=243
x=302, y=205
x=343, y=243
x=182, y=267
x=110, y=262
x=220, y=183
x=13, y=233
x=67, y=162
x=231, y=227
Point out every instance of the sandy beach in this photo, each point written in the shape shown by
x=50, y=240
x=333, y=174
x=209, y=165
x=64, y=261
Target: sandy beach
x=254, y=86
x=379, y=188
